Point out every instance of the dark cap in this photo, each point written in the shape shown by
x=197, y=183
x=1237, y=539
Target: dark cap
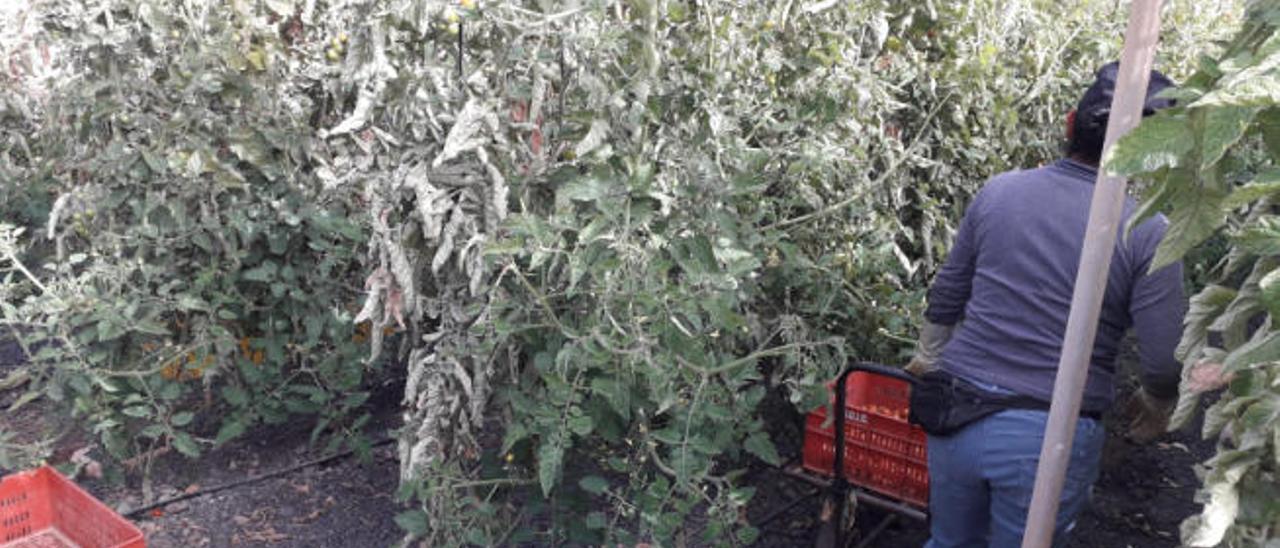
x=1095, y=106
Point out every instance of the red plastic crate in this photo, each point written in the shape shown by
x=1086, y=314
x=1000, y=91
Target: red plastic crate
x=883, y=452
x=42, y=509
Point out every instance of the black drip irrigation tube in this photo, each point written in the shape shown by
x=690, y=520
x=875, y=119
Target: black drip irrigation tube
x=142, y=511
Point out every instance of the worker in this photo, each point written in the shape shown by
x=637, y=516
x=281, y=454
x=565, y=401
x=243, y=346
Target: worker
x=995, y=319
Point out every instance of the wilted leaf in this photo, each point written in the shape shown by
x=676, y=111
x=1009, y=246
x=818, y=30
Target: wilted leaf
x=594, y=137
x=1224, y=500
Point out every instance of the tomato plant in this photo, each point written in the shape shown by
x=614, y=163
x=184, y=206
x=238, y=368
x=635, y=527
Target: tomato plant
x=605, y=230
x=183, y=276
x=1211, y=165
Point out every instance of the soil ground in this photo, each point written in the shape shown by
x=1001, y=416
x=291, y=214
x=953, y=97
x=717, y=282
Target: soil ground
x=1143, y=494
x=337, y=504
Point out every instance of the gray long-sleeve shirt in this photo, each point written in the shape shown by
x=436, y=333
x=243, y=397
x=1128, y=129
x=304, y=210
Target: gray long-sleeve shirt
x=1010, y=275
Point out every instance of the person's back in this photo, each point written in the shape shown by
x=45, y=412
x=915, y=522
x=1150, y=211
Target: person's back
x=996, y=317
x=1025, y=234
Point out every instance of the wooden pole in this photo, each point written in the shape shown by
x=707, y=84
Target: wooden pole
x=1105, y=216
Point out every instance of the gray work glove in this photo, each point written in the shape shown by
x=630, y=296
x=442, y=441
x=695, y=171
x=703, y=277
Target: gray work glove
x=1150, y=416
x=933, y=337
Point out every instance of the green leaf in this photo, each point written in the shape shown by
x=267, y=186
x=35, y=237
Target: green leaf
x=761, y=446
x=235, y=396
x=413, y=522
x=585, y=189
x=109, y=330
x=182, y=418
x=1219, y=414
x=616, y=393
x=1263, y=185
x=1223, y=127
x=515, y=433
x=1255, y=86
x=262, y=273
x=1234, y=320
x=1156, y=201
x=1270, y=292
x=1159, y=141
x=1269, y=124
x=550, y=462
x=351, y=400
x=1264, y=348
x=1205, y=306
x=138, y=411
x=1262, y=237
x=671, y=435
x=742, y=496
x=185, y=445
x=1262, y=415
x=15, y=378
x=593, y=484
x=153, y=431
x=581, y=425
x=1187, y=407
x=169, y=391
x=596, y=520
x=1275, y=444
x=150, y=327
x=1197, y=214
x=191, y=302
x=26, y=397
x=231, y=429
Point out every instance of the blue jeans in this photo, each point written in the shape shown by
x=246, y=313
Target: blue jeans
x=981, y=479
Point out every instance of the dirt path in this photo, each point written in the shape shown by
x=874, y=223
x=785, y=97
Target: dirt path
x=343, y=504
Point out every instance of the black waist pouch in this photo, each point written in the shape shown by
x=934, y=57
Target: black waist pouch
x=943, y=404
